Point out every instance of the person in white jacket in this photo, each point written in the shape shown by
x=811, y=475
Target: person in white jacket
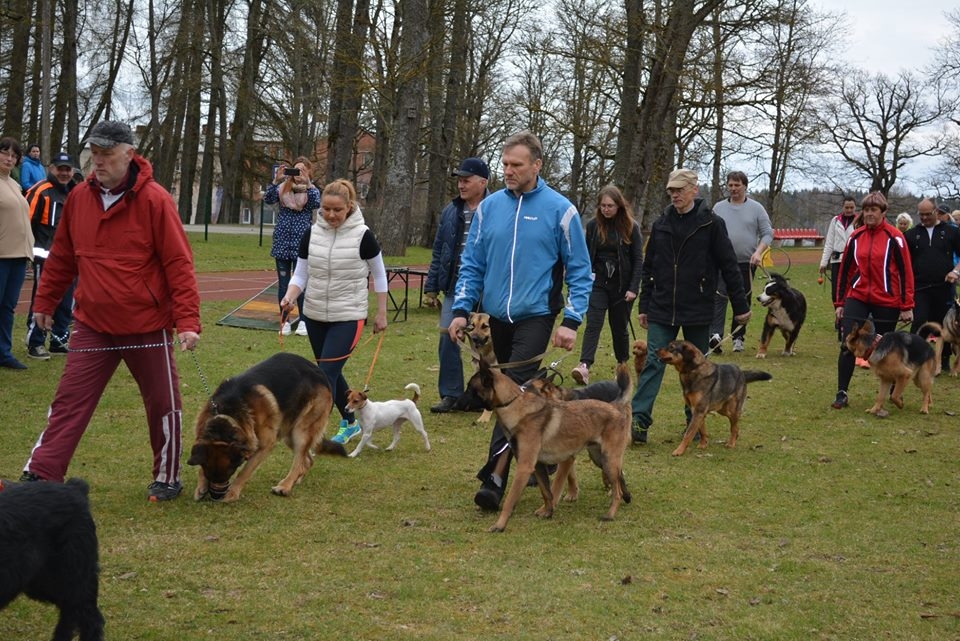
x=838, y=232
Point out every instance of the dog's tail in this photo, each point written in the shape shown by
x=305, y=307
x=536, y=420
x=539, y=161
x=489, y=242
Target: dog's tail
x=933, y=334
x=416, y=391
x=331, y=448
x=751, y=375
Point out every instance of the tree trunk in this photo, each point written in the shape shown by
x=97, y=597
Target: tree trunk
x=17, y=75
x=346, y=87
x=402, y=160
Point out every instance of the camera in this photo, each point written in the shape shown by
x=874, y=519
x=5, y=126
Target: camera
x=291, y=171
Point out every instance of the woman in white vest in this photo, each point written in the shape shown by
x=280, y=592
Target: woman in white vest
x=336, y=255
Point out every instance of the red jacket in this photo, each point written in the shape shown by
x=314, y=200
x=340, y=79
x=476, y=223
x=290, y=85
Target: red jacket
x=876, y=268
x=134, y=263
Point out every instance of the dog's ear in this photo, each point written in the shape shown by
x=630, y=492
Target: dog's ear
x=198, y=455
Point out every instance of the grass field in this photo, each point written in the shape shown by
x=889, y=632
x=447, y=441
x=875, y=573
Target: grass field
x=821, y=524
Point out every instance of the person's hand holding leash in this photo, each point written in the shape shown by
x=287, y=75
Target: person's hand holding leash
x=43, y=321
x=906, y=316
x=188, y=340
x=630, y=296
x=456, y=327
x=565, y=338
x=744, y=318
x=430, y=299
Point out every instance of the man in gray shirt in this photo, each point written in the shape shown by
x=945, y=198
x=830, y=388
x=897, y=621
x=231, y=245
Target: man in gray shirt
x=751, y=233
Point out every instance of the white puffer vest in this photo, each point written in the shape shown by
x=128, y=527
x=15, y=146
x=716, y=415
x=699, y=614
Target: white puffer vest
x=337, y=288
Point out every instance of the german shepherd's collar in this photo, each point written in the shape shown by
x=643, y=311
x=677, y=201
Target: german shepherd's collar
x=542, y=430
x=708, y=387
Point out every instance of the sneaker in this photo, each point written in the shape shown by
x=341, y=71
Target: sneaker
x=29, y=477
x=738, y=344
x=38, y=352
x=715, y=342
x=285, y=329
x=488, y=496
x=841, y=401
x=346, y=432
x=160, y=491
x=58, y=349
x=581, y=374
x=638, y=432
x=864, y=363
x=301, y=329
x=445, y=405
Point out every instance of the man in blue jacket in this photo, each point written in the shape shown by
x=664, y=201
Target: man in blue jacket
x=525, y=241
x=452, y=233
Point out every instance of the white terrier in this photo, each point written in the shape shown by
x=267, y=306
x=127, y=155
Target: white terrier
x=374, y=416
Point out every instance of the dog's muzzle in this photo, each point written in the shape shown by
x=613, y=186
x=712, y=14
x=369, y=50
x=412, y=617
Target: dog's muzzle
x=218, y=490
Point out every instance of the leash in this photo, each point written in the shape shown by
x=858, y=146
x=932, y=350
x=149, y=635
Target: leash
x=65, y=340
x=376, y=354
x=725, y=338
x=528, y=361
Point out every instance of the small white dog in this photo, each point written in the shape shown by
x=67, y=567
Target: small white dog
x=374, y=416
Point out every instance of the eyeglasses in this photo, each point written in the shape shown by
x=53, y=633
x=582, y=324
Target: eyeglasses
x=9, y=153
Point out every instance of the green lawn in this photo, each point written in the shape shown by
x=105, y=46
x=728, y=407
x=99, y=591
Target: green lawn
x=821, y=524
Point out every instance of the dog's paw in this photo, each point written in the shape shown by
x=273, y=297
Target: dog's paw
x=279, y=490
x=495, y=528
x=544, y=512
x=761, y=354
x=679, y=451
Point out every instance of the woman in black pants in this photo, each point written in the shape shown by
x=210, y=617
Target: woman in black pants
x=616, y=253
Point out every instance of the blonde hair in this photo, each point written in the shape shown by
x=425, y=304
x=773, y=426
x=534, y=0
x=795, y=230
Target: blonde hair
x=344, y=189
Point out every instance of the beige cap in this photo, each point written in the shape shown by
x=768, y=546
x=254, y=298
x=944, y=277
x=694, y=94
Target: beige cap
x=680, y=178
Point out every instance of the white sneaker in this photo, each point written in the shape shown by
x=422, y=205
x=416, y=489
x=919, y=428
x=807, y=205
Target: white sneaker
x=285, y=329
x=738, y=344
x=301, y=328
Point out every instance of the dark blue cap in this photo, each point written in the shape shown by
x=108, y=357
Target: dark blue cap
x=63, y=160
x=473, y=167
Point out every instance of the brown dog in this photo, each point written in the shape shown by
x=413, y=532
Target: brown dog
x=951, y=336
x=479, y=342
x=284, y=397
x=708, y=387
x=639, y=355
x=542, y=430
x=896, y=358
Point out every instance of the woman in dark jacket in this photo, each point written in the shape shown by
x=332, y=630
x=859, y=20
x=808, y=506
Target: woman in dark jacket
x=688, y=246
x=616, y=253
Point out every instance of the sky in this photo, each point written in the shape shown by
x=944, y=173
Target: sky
x=892, y=35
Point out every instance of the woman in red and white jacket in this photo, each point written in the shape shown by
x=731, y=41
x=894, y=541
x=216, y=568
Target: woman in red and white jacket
x=875, y=281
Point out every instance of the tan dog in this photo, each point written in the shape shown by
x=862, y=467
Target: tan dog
x=542, y=430
x=708, y=387
x=951, y=337
x=480, y=343
x=639, y=355
x=284, y=397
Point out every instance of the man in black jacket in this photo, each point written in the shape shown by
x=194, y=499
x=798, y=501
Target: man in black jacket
x=934, y=246
x=687, y=249
x=46, y=200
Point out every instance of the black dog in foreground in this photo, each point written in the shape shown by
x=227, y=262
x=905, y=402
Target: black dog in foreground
x=48, y=551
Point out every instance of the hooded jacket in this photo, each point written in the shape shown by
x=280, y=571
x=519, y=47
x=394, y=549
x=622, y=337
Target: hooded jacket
x=46, y=200
x=629, y=257
x=876, y=268
x=31, y=172
x=133, y=260
x=679, y=275
x=519, y=251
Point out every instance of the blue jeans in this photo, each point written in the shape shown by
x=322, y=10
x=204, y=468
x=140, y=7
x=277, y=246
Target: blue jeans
x=450, y=381
x=285, y=269
x=12, y=273
x=648, y=385
x=62, y=316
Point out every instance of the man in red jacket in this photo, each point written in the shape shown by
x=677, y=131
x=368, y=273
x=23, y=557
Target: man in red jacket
x=137, y=295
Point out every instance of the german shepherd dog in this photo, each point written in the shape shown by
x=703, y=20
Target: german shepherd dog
x=951, y=335
x=896, y=358
x=606, y=391
x=542, y=430
x=284, y=397
x=786, y=311
x=48, y=551
x=477, y=339
x=708, y=387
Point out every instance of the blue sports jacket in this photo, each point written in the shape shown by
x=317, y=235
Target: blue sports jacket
x=519, y=252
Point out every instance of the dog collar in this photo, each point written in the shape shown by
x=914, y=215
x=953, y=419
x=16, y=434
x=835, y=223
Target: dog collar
x=508, y=402
x=873, y=346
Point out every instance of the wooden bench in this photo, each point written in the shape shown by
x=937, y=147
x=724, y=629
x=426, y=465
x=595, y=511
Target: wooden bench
x=796, y=236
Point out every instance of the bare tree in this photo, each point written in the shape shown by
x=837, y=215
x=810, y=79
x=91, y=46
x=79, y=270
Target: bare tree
x=878, y=124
